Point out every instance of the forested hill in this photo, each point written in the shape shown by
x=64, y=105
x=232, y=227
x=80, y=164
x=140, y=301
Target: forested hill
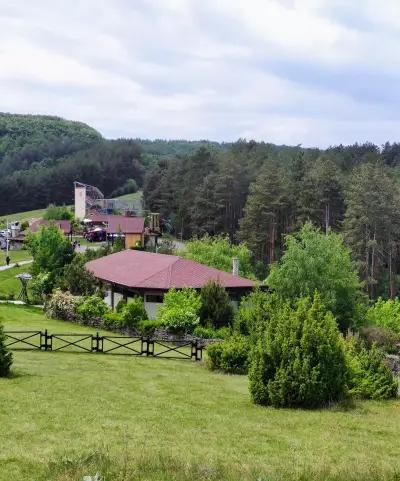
x=29, y=139
x=252, y=191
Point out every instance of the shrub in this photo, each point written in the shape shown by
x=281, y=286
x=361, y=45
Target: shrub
x=120, y=305
x=385, y=314
x=5, y=355
x=383, y=338
x=369, y=377
x=180, y=309
x=216, y=309
x=230, y=356
x=210, y=333
x=92, y=307
x=299, y=358
x=62, y=305
x=112, y=320
x=147, y=328
x=133, y=312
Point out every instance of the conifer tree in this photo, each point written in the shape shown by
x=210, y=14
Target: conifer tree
x=5, y=355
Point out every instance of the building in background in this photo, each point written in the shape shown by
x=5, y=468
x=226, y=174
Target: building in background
x=130, y=273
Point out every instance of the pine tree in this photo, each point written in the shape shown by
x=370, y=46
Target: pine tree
x=266, y=214
x=372, y=225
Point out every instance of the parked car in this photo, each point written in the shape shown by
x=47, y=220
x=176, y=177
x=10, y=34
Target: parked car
x=96, y=235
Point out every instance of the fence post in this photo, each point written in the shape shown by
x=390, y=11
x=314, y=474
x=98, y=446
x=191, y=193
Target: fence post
x=150, y=347
x=97, y=342
x=48, y=346
x=193, y=353
x=197, y=351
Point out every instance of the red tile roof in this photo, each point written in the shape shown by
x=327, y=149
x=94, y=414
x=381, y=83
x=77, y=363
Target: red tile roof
x=120, y=223
x=64, y=225
x=146, y=270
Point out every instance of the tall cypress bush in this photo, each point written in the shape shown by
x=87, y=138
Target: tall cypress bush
x=299, y=358
x=216, y=309
x=5, y=355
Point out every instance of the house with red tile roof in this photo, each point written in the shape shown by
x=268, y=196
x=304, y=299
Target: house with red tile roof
x=132, y=228
x=132, y=272
x=64, y=225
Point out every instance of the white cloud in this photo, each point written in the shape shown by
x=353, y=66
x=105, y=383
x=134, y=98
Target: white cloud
x=316, y=72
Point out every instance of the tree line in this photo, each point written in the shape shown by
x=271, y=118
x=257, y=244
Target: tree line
x=257, y=193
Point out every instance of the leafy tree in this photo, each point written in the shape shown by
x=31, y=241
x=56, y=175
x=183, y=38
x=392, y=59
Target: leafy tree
x=385, y=314
x=58, y=212
x=5, y=355
x=77, y=279
x=316, y=261
x=299, y=358
x=51, y=251
x=216, y=309
x=218, y=252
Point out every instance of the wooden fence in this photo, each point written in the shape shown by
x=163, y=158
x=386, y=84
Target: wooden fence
x=107, y=344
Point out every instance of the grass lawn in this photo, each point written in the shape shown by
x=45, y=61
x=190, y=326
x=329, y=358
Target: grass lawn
x=15, y=256
x=8, y=282
x=66, y=415
x=29, y=214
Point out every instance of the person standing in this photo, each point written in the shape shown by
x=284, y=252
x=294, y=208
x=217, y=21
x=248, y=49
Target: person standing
x=8, y=260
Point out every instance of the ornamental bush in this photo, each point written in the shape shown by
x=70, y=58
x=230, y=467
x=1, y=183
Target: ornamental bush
x=133, y=312
x=216, y=309
x=210, y=333
x=299, y=358
x=230, y=356
x=5, y=355
x=369, y=377
x=62, y=305
x=92, y=307
x=180, y=310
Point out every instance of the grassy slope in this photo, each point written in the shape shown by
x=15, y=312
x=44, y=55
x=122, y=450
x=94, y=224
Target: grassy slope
x=8, y=283
x=164, y=420
x=15, y=256
x=38, y=214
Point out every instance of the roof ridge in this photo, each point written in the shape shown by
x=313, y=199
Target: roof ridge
x=169, y=267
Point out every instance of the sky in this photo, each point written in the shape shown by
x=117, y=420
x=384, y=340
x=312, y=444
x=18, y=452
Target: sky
x=310, y=72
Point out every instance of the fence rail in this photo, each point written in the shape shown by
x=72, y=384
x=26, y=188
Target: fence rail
x=96, y=343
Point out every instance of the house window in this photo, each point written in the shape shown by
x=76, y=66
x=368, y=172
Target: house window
x=157, y=298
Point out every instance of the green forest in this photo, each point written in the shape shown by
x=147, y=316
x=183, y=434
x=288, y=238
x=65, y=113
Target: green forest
x=253, y=192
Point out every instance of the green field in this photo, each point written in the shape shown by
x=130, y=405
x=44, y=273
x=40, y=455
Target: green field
x=29, y=214
x=15, y=256
x=8, y=282
x=67, y=415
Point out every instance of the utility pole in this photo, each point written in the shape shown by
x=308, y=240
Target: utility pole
x=7, y=238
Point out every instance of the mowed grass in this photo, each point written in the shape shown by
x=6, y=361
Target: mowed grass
x=15, y=256
x=21, y=216
x=9, y=284
x=67, y=415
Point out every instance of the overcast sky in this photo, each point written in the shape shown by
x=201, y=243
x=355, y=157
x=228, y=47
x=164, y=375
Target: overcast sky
x=311, y=72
